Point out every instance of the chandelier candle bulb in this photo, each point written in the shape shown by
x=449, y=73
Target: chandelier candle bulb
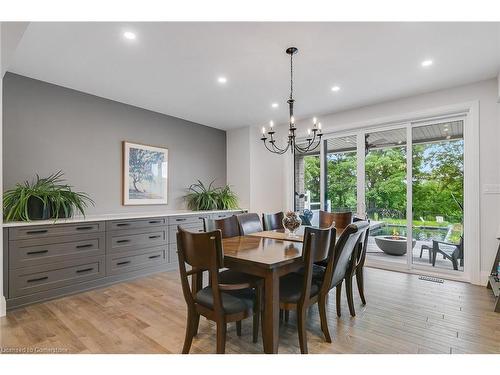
x=292, y=120
x=314, y=121
x=271, y=124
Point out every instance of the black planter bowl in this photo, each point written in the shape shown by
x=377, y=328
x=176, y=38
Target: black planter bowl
x=37, y=210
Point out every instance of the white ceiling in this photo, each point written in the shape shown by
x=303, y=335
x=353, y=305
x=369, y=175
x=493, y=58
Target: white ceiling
x=172, y=68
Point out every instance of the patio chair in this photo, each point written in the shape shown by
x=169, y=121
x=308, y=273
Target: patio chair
x=451, y=251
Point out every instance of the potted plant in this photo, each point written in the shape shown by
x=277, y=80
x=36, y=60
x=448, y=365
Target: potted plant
x=206, y=198
x=43, y=198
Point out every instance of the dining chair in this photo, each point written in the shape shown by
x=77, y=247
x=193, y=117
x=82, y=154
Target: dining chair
x=273, y=221
x=229, y=227
x=221, y=303
x=339, y=265
x=358, y=260
x=299, y=290
x=326, y=219
x=249, y=223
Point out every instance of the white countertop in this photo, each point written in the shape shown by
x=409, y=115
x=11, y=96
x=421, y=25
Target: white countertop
x=104, y=217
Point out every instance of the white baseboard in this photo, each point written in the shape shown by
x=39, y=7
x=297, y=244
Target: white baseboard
x=484, y=277
x=3, y=306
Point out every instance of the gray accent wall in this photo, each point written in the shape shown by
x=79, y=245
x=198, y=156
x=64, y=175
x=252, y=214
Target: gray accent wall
x=48, y=127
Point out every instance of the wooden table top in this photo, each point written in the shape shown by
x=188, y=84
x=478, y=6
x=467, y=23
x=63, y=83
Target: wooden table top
x=280, y=234
x=261, y=252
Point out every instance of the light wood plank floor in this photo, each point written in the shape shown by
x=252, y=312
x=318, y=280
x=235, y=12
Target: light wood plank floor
x=403, y=315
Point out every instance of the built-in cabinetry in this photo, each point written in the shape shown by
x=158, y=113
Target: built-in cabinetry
x=47, y=261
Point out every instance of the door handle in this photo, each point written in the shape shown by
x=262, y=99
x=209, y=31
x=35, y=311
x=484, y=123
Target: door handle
x=37, y=252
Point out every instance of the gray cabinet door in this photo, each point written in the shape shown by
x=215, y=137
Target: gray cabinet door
x=187, y=219
x=172, y=230
x=30, y=280
x=128, y=262
x=136, y=223
x=42, y=231
x=32, y=252
x=135, y=239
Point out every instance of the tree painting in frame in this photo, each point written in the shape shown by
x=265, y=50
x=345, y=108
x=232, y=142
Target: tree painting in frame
x=145, y=174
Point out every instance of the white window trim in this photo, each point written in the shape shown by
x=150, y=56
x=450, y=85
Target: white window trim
x=472, y=213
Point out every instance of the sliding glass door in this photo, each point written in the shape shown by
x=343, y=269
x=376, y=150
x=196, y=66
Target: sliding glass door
x=385, y=194
x=438, y=193
x=407, y=179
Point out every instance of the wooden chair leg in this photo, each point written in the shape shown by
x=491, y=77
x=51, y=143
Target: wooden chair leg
x=238, y=327
x=287, y=315
x=338, y=290
x=455, y=264
x=190, y=330
x=196, y=324
x=361, y=286
x=350, y=298
x=301, y=326
x=221, y=337
x=323, y=318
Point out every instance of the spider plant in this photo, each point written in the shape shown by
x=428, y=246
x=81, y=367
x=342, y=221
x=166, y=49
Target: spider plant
x=43, y=198
x=206, y=198
x=227, y=199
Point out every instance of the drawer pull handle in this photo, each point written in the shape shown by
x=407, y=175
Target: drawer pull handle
x=122, y=224
x=84, y=228
x=122, y=241
x=37, y=279
x=155, y=222
x=201, y=218
x=201, y=230
x=37, y=252
x=154, y=256
x=39, y=231
x=85, y=270
x=122, y=263
x=180, y=219
x=84, y=246
x=153, y=237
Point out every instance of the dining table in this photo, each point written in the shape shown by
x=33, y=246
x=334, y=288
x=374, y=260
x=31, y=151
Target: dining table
x=268, y=258
x=269, y=255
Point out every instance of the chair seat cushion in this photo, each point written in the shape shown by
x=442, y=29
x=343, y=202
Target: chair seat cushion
x=232, y=302
x=318, y=271
x=291, y=286
x=237, y=277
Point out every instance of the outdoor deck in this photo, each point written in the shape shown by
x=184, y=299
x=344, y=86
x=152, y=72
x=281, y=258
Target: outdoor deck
x=374, y=252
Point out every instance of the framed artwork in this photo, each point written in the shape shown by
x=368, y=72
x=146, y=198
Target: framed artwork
x=145, y=174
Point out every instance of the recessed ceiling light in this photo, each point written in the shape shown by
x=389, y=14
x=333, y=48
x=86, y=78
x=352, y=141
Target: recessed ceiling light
x=335, y=88
x=427, y=63
x=222, y=80
x=274, y=105
x=129, y=35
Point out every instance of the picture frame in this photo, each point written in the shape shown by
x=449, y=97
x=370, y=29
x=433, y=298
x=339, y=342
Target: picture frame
x=145, y=174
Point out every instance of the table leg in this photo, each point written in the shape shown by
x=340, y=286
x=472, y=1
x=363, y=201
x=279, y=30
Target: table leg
x=271, y=312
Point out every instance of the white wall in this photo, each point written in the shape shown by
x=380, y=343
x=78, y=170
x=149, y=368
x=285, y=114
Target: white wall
x=486, y=92
x=256, y=175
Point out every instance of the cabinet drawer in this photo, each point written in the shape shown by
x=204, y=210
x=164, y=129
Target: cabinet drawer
x=120, y=241
x=187, y=219
x=42, y=231
x=137, y=223
x=122, y=263
x=172, y=230
x=39, y=278
x=222, y=215
x=26, y=253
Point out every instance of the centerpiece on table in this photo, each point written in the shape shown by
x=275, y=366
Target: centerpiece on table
x=291, y=222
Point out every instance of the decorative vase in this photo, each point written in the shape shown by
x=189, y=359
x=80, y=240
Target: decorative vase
x=291, y=223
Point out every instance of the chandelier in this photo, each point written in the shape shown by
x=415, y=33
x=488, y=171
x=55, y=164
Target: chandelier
x=313, y=139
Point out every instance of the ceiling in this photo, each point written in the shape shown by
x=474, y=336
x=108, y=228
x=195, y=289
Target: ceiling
x=173, y=68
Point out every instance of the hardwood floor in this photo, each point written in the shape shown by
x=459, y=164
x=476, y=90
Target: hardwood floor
x=403, y=315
